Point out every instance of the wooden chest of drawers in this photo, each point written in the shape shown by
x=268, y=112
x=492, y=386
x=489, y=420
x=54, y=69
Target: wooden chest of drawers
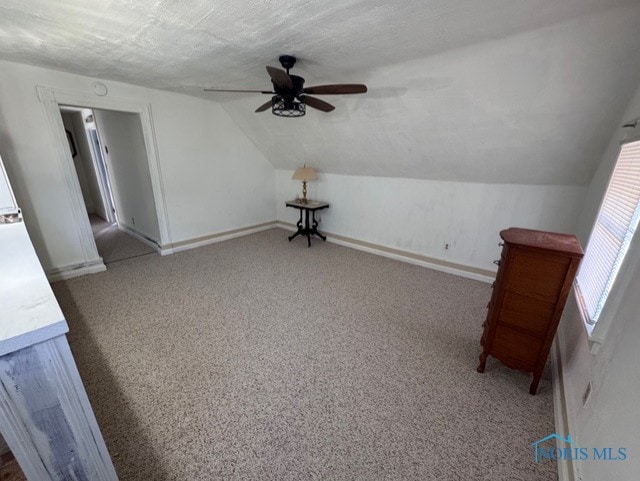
x=532, y=284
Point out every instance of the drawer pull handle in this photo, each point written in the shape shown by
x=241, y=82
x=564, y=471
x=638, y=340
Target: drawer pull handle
x=497, y=262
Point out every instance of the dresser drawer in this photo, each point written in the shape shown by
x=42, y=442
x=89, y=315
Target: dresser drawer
x=516, y=349
x=527, y=312
x=536, y=274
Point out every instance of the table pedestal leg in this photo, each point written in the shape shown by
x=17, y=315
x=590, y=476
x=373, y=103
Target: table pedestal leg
x=299, y=225
x=314, y=228
x=307, y=229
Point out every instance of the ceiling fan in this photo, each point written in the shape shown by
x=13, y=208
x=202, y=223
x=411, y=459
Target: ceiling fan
x=290, y=97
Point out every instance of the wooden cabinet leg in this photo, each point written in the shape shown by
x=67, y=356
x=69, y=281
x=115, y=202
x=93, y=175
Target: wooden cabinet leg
x=534, y=384
x=483, y=361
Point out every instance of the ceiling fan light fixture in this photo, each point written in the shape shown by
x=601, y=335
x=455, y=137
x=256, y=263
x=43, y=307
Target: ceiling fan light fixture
x=283, y=107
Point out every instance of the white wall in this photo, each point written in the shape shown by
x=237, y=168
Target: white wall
x=535, y=108
x=421, y=216
x=214, y=177
x=128, y=167
x=217, y=179
x=611, y=416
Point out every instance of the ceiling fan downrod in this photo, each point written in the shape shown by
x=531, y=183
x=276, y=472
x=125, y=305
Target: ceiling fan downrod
x=287, y=62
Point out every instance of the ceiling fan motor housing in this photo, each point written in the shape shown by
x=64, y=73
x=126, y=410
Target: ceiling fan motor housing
x=296, y=81
x=287, y=61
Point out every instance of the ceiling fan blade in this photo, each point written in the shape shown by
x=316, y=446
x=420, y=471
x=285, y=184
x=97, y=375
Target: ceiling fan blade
x=337, y=89
x=318, y=104
x=235, y=90
x=265, y=106
x=280, y=78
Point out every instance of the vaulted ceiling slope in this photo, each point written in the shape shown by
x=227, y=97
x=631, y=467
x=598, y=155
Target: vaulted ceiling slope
x=493, y=91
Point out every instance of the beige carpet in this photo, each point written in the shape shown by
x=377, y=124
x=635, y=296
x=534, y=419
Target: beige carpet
x=115, y=245
x=260, y=359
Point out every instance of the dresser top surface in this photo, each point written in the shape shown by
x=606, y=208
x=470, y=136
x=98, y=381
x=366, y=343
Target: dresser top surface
x=30, y=312
x=553, y=241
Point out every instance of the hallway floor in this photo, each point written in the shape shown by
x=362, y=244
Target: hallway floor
x=115, y=245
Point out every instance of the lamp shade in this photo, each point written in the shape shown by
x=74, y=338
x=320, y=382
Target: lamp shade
x=305, y=173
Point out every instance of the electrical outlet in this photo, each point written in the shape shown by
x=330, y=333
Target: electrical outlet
x=586, y=395
x=446, y=247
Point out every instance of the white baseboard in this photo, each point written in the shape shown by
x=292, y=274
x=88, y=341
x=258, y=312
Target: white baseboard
x=218, y=237
x=405, y=256
x=76, y=270
x=133, y=232
x=566, y=468
x=482, y=275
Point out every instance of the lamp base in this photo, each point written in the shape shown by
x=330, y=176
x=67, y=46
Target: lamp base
x=304, y=192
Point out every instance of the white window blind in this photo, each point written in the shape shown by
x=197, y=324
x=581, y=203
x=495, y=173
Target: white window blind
x=615, y=225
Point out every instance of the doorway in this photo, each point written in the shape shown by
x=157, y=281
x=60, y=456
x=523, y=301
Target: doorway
x=110, y=161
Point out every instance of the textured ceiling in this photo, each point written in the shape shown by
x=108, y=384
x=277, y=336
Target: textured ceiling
x=523, y=91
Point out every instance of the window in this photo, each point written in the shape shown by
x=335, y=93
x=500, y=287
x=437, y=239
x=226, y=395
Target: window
x=612, y=233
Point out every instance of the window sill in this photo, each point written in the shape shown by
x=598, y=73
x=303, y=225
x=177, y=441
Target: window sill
x=594, y=336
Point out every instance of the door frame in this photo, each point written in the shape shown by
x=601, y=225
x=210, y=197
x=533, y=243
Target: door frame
x=101, y=173
x=52, y=99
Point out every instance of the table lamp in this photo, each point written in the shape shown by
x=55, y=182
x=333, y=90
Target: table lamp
x=304, y=174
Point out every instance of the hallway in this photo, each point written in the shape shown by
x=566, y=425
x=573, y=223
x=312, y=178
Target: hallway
x=115, y=245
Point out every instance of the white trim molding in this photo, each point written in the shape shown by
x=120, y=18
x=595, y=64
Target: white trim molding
x=52, y=99
x=62, y=153
x=75, y=270
x=218, y=237
x=133, y=232
x=566, y=468
x=469, y=272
